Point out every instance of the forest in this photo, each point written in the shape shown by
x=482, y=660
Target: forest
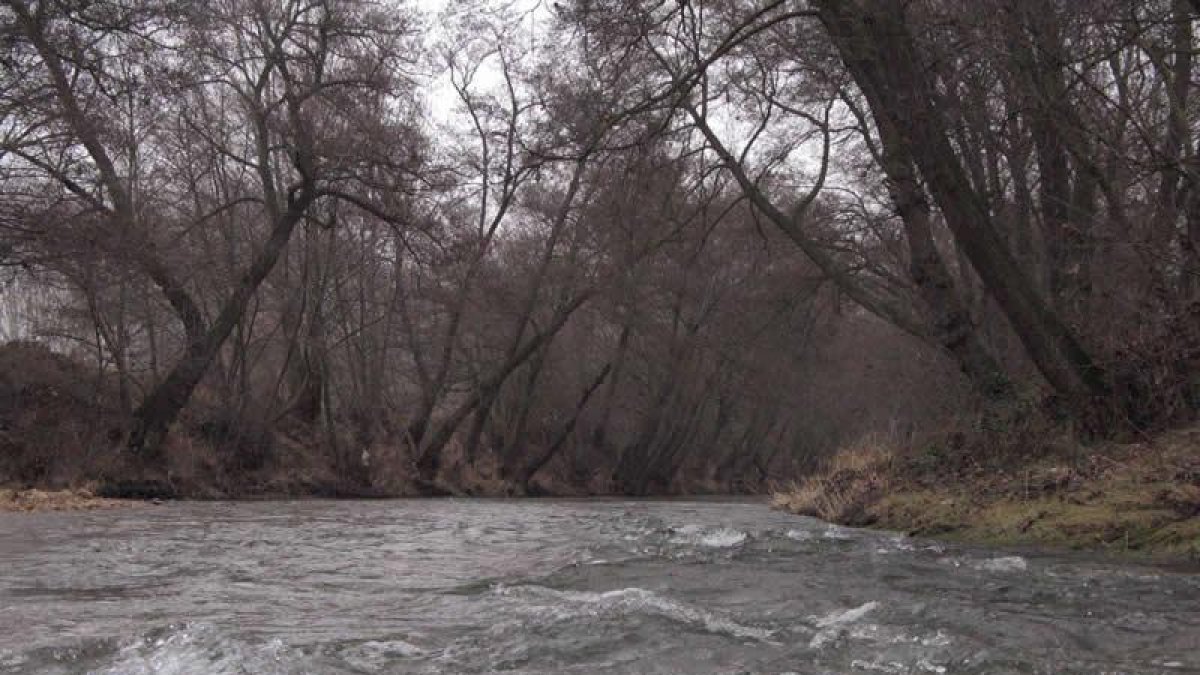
x=359, y=247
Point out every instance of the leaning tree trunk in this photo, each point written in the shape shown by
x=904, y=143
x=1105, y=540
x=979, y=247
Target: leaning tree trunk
x=877, y=46
x=163, y=404
x=953, y=327
x=429, y=459
x=525, y=474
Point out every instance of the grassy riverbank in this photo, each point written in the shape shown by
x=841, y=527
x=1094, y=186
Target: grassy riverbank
x=1139, y=498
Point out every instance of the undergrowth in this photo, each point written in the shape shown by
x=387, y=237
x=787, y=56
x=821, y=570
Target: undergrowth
x=1016, y=476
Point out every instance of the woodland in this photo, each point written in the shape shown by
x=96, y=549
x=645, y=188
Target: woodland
x=358, y=247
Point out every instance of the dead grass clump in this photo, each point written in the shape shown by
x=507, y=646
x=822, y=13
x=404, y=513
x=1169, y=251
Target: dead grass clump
x=56, y=500
x=844, y=490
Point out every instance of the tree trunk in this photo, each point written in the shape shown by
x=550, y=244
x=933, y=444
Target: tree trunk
x=429, y=458
x=526, y=473
x=162, y=405
x=514, y=440
x=876, y=44
x=953, y=327
x=1040, y=65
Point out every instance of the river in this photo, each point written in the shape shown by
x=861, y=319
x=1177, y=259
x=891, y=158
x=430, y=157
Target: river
x=556, y=586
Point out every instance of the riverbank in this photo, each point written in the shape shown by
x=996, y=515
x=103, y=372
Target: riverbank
x=58, y=500
x=62, y=426
x=1140, y=499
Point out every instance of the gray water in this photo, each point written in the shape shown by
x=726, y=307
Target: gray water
x=453, y=586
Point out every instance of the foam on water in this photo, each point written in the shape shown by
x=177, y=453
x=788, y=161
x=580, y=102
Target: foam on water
x=372, y=656
x=832, y=623
x=837, y=533
x=571, y=605
x=198, y=648
x=1013, y=563
x=896, y=667
x=799, y=535
x=10, y=659
x=847, y=616
x=695, y=535
x=202, y=648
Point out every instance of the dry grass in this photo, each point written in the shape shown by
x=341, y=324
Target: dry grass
x=843, y=490
x=1133, y=497
x=57, y=500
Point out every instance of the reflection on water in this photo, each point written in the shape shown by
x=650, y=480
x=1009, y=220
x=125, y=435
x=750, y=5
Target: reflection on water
x=455, y=586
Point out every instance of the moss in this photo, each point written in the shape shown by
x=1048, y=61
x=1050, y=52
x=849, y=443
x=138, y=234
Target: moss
x=1115, y=526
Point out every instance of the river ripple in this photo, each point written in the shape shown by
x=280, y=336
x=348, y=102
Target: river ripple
x=458, y=586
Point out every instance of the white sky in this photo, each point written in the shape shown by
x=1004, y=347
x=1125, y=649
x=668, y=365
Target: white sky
x=441, y=15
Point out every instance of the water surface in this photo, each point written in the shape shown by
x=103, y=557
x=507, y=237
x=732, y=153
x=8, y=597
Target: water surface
x=457, y=586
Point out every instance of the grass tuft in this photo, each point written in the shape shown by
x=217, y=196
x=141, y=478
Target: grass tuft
x=844, y=489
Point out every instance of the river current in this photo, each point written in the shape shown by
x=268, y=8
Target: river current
x=556, y=586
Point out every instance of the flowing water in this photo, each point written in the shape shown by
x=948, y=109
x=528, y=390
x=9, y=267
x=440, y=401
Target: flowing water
x=455, y=586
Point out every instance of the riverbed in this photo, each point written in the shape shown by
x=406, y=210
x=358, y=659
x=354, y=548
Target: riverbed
x=558, y=586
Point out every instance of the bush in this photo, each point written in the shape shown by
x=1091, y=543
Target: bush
x=242, y=441
x=55, y=426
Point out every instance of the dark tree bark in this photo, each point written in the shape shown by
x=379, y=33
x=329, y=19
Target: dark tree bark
x=526, y=473
x=429, y=459
x=876, y=43
x=953, y=327
x=163, y=404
